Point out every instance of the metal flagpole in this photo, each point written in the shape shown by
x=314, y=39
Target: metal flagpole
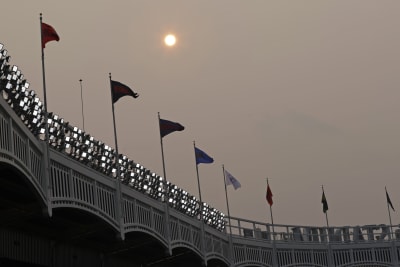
x=166, y=197
x=118, y=178
x=83, y=118
x=162, y=147
x=272, y=217
x=43, y=72
x=274, y=259
x=46, y=126
x=201, y=205
x=115, y=128
x=198, y=181
x=326, y=212
x=229, y=216
x=227, y=202
x=326, y=216
x=330, y=255
x=390, y=217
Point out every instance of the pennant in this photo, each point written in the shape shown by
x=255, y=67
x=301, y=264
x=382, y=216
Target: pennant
x=202, y=157
x=230, y=180
x=269, y=196
x=119, y=90
x=389, y=201
x=48, y=34
x=167, y=127
x=324, y=203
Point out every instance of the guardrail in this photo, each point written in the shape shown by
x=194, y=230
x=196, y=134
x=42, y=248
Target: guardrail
x=297, y=233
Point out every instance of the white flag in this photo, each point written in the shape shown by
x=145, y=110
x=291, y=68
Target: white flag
x=230, y=180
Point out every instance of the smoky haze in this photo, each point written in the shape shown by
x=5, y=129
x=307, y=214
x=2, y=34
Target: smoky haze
x=303, y=92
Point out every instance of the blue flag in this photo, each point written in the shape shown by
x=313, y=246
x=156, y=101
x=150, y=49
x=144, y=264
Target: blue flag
x=202, y=157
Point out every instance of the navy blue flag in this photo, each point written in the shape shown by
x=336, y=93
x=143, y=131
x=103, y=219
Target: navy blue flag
x=119, y=90
x=167, y=127
x=202, y=157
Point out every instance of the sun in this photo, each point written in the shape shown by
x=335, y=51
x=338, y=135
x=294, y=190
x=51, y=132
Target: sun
x=170, y=40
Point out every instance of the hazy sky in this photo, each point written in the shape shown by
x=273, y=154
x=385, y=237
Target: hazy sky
x=303, y=92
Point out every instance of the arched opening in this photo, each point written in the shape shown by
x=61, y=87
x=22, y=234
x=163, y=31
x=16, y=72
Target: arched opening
x=20, y=204
x=216, y=263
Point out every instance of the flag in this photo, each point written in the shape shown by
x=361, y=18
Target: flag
x=324, y=202
x=119, y=90
x=167, y=127
x=389, y=201
x=230, y=180
x=202, y=157
x=269, y=196
x=48, y=34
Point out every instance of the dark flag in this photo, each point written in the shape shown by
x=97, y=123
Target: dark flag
x=167, y=127
x=269, y=196
x=324, y=203
x=389, y=201
x=202, y=157
x=119, y=90
x=48, y=34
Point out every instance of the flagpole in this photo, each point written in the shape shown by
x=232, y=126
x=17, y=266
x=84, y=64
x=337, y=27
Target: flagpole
x=201, y=206
x=165, y=188
x=330, y=256
x=326, y=212
x=274, y=257
x=272, y=217
x=229, y=215
x=115, y=128
x=46, y=126
x=198, y=181
x=118, y=178
x=227, y=202
x=390, y=217
x=162, y=147
x=83, y=118
x=43, y=70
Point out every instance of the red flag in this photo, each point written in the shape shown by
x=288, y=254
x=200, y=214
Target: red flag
x=119, y=90
x=48, y=34
x=269, y=196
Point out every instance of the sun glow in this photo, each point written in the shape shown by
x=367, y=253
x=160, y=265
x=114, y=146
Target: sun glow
x=170, y=40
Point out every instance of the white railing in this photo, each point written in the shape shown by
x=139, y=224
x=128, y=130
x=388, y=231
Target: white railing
x=297, y=233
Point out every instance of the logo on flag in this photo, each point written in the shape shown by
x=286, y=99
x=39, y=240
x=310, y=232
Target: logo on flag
x=230, y=180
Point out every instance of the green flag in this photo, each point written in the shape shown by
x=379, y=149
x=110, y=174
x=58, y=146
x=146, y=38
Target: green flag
x=324, y=202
